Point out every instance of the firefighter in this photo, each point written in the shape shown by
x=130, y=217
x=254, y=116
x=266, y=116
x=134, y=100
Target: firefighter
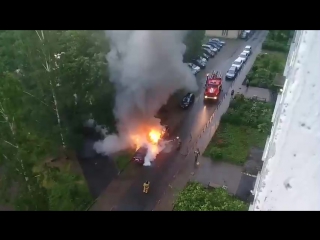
x=247, y=83
x=146, y=186
x=179, y=143
x=232, y=93
x=196, y=153
x=207, y=76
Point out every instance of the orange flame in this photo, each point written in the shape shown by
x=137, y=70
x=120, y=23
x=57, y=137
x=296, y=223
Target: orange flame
x=154, y=136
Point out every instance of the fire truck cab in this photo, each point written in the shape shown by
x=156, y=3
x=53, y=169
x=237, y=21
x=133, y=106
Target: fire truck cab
x=213, y=86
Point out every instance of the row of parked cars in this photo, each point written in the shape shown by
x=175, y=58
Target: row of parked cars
x=209, y=50
x=238, y=64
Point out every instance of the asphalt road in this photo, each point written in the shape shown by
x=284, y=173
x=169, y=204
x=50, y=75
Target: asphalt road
x=167, y=164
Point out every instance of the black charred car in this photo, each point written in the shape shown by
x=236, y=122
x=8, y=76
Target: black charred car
x=187, y=101
x=139, y=155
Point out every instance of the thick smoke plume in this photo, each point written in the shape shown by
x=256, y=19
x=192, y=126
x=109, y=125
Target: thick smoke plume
x=146, y=68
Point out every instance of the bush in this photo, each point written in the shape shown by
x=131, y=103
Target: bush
x=195, y=197
x=249, y=113
x=265, y=68
x=275, y=46
x=217, y=153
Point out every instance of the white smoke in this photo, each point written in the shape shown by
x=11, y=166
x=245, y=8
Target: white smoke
x=146, y=68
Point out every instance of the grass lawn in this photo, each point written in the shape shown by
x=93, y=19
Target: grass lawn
x=232, y=143
x=195, y=197
x=123, y=158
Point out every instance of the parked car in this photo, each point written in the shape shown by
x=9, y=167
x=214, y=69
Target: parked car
x=243, y=35
x=232, y=73
x=203, y=60
x=217, y=39
x=215, y=45
x=244, y=56
x=208, y=51
x=198, y=63
x=187, y=100
x=216, y=42
x=247, y=52
x=249, y=33
x=194, y=69
x=210, y=47
x=248, y=48
x=139, y=155
x=238, y=63
x=205, y=55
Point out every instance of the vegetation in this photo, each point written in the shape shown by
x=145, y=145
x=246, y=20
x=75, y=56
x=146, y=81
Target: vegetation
x=246, y=124
x=265, y=68
x=51, y=83
x=278, y=40
x=193, y=42
x=195, y=197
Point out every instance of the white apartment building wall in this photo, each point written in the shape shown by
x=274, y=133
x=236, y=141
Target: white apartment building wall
x=290, y=176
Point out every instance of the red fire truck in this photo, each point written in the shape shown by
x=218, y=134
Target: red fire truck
x=213, y=86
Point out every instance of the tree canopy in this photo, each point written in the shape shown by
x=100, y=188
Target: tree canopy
x=51, y=83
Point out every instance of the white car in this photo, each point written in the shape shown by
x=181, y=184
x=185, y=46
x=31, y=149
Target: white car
x=248, y=32
x=238, y=63
x=248, y=48
x=205, y=61
x=244, y=56
x=247, y=52
x=194, y=69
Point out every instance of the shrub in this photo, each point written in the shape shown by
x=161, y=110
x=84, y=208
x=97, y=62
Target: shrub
x=275, y=46
x=264, y=70
x=217, y=153
x=195, y=197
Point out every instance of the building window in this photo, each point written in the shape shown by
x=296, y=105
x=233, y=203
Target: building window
x=225, y=32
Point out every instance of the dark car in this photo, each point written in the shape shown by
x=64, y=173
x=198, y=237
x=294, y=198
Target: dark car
x=139, y=155
x=232, y=73
x=209, y=52
x=216, y=42
x=206, y=56
x=198, y=63
x=215, y=45
x=187, y=101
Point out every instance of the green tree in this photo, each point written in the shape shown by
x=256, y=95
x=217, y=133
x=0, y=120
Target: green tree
x=21, y=146
x=193, y=43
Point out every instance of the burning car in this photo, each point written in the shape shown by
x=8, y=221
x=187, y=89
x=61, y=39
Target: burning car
x=157, y=141
x=139, y=155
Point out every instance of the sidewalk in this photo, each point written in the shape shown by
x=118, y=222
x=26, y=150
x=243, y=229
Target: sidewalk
x=185, y=174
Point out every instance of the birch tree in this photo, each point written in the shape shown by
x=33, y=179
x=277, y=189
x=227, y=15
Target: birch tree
x=20, y=146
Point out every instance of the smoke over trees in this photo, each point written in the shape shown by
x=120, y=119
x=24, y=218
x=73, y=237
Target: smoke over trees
x=51, y=82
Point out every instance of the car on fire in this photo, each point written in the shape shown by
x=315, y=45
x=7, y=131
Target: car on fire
x=139, y=155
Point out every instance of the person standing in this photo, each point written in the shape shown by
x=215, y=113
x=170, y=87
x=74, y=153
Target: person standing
x=232, y=93
x=247, y=83
x=196, y=154
x=146, y=186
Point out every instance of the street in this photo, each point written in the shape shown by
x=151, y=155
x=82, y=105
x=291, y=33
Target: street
x=167, y=164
